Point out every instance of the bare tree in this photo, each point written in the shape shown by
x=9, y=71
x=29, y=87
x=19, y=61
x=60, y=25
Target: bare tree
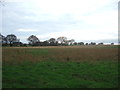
x=33, y=40
x=67, y=42
x=52, y=41
x=92, y=43
x=71, y=41
x=81, y=43
x=75, y=43
x=112, y=43
x=100, y=43
x=86, y=44
x=11, y=38
x=62, y=39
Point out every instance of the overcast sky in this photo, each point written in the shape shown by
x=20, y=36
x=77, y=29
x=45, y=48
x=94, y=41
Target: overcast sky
x=82, y=20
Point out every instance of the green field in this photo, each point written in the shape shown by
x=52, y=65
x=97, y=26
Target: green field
x=73, y=67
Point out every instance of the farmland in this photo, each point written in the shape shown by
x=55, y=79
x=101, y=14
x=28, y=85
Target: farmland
x=60, y=67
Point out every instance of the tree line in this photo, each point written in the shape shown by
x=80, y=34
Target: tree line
x=12, y=40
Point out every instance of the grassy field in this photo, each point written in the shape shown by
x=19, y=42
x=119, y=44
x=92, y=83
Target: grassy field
x=60, y=67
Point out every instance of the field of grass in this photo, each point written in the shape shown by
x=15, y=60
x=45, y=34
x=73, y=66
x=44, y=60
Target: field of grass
x=60, y=67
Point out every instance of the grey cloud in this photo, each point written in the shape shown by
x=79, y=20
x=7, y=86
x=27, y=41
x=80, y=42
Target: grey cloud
x=14, y=18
